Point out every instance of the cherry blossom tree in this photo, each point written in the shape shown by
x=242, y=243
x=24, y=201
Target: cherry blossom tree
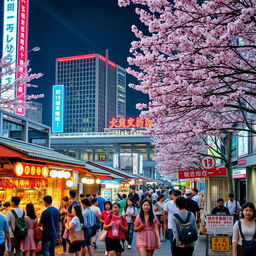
x=196, y=61
x=13, y=103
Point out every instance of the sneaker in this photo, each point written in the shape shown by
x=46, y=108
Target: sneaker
x=129, y=246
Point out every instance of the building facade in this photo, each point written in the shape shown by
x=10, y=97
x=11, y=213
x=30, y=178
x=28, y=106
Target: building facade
x=129, y=151
x=94, y=92
x=35, y=112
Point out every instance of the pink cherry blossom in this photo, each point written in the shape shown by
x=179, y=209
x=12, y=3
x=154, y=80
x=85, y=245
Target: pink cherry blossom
x=197, y=64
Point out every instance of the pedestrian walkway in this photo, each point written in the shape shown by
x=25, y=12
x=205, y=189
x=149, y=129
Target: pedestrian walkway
x=164, y=251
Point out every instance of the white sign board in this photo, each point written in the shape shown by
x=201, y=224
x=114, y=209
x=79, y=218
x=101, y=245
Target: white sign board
x=10, y=44
x=219, y=224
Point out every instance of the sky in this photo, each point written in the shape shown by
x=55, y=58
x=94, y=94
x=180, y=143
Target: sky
x=74, y=27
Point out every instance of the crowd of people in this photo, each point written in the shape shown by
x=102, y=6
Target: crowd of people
x=155, y=215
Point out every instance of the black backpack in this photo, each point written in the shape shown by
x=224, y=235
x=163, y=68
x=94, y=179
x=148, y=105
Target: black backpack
x=188, y=233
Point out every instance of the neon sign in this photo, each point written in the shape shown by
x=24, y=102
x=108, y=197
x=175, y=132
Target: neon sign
x=22, y=51
x=58, y=108
x=130, y=123
x=10, y=28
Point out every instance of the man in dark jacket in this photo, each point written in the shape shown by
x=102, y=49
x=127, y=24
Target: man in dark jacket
x=220, y=208
x=192, y=205
x=134, y=196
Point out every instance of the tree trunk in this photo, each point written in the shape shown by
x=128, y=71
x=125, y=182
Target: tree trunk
x=228, y=164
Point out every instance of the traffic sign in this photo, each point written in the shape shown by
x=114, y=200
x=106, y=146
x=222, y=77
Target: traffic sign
x=208, y=162
x=202, y=173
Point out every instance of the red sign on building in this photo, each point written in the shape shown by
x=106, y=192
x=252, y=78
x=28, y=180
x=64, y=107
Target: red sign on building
x=201, y=173
x=129, y=123
x=22, y=51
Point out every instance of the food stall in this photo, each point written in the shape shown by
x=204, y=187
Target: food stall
x=31, y=172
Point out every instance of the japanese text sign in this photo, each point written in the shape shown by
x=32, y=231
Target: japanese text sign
x=220, y=244
x=219, y=224
x=10, y=44
x=201, y=173
x=129, y=123
x=22, y=51
x=57, y=108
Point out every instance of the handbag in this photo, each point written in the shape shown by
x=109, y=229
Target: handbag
x=76, y=236
x=248, y=246
x=103, y=235
x=38, y=233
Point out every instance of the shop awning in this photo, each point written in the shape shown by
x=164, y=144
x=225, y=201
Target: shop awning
x=97, y=170
x=34, y=152
x=122, y=174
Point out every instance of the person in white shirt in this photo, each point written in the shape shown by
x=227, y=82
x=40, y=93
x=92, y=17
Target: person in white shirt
x=233, y=206
x=15, y=201
x=169, y=209
x=196, y=197
x=97, y=211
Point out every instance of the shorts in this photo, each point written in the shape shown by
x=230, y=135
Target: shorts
x=116, y=245
x=87, y=237
x=76, y=247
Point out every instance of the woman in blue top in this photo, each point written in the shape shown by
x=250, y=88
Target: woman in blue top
x=75, y=225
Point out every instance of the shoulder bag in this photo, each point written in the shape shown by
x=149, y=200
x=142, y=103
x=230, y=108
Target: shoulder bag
x=104, y=232
x=248, y=246
x=38, y=233
x=76, y=236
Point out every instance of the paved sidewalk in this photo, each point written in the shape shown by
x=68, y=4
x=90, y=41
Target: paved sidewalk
x=200, y=249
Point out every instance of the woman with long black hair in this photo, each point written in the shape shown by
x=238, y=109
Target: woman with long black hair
x=75, y=225
x=130, y=212
x=245, y=229
x=28, y=244
x=147, y=226
x=116, y=226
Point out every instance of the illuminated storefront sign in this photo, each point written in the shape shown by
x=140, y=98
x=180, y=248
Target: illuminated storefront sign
x=116, y=182
x=22, y=51
x=239, y=174
x=10, y=44
x=57, y=108
x=31, y=170
x=129, y=123
x=220, y=244
x=23, y=183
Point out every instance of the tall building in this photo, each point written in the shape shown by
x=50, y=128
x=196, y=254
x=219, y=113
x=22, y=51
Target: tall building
x=35, y=112
x=94, y=92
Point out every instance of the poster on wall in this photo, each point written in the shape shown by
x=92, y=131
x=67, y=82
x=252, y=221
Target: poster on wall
x=107, y=194
x=243, y=139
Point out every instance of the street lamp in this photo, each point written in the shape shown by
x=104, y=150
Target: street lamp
x=35, y=49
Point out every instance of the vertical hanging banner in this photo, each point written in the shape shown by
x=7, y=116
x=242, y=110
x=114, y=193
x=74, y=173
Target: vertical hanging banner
x=9, y=45
x=57, y=108
x=23, y=11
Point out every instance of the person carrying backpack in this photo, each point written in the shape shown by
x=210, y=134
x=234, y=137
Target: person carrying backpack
x=184, y=229
x=18, y=226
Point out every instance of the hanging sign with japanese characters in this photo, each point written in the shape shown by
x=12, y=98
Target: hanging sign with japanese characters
x=219, y=224
x=22, y=51
x=57, y=108
x=129, y=123
x=10, y=44
x=201, y=173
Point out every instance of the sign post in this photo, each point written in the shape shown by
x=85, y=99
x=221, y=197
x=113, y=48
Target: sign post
x=219, y=230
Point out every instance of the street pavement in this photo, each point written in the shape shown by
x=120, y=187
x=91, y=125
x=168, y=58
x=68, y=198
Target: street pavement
x=164, y=251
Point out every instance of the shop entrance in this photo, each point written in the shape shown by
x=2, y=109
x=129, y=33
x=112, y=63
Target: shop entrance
x=242, y=191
